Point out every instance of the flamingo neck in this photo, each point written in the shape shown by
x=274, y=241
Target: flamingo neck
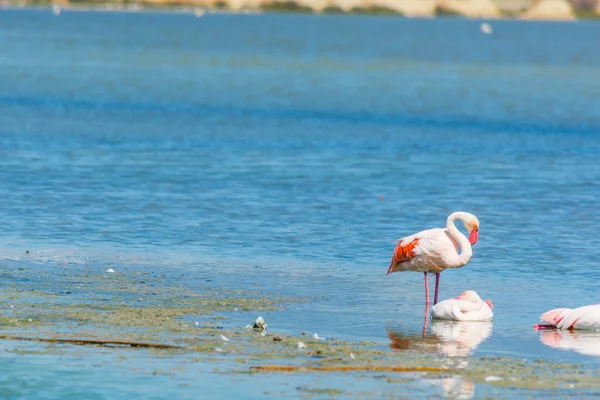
x=465, y=246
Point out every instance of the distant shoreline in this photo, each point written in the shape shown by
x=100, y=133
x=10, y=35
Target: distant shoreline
x=220, y=7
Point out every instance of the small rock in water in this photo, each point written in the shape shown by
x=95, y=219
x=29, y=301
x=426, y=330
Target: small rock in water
x=317, y=337
x=352, y=356
x=277, y=339
x=258, y=325
x=224, y=338
x=493, y=378
x=301, y=345
x=110, y=270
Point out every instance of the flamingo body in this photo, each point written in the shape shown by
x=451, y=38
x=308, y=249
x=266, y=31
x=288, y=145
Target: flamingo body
x=434, y=250
x=466, y=307
x=585, y=318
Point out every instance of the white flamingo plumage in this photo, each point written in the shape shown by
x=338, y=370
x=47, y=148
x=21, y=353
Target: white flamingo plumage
x=587, y=318
x=434, y=250
x=466, y=307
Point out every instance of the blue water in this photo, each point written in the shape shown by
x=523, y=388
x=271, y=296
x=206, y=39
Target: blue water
x=256, y=149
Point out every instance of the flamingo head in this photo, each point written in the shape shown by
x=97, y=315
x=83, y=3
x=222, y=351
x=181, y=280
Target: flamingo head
x=473, y=297
x=470, y=295
x=472, y=224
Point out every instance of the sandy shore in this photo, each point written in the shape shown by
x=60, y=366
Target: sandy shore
x=476, y=9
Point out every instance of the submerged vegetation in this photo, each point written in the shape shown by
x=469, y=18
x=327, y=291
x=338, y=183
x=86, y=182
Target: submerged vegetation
x=204, y=321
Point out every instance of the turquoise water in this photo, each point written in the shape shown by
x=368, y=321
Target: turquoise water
x=255, y=149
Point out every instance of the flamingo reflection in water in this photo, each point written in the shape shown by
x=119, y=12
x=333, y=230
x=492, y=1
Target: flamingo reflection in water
x=453, y=387
x=449, y=338
x=582, y=342
x=458, y=388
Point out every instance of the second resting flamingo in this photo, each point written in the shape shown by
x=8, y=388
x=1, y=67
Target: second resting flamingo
x=586, y=318
x=434, y=250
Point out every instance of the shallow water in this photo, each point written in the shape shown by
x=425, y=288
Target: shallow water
x=257, y=157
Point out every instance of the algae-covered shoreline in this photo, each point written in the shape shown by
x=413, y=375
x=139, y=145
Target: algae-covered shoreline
x=205, y=322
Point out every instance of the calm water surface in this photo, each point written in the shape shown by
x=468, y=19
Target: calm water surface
x=256, y=149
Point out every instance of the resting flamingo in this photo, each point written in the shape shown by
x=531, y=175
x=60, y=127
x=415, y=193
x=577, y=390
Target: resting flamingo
x=466, y=307
x=434, y=250
x=587, y=317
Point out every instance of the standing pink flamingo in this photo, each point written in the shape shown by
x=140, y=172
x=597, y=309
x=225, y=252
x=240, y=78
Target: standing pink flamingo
x=434, y=250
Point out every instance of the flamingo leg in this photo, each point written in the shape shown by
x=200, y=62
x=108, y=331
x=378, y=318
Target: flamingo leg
x=425, y=320
x=437, y=285
x=426, y=290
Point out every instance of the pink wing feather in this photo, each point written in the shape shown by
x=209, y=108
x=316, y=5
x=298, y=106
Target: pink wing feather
x=403, y=253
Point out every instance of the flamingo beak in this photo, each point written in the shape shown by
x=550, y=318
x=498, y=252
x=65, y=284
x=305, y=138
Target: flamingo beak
x=459, y=297
x=489, y=303
x=474, y=236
